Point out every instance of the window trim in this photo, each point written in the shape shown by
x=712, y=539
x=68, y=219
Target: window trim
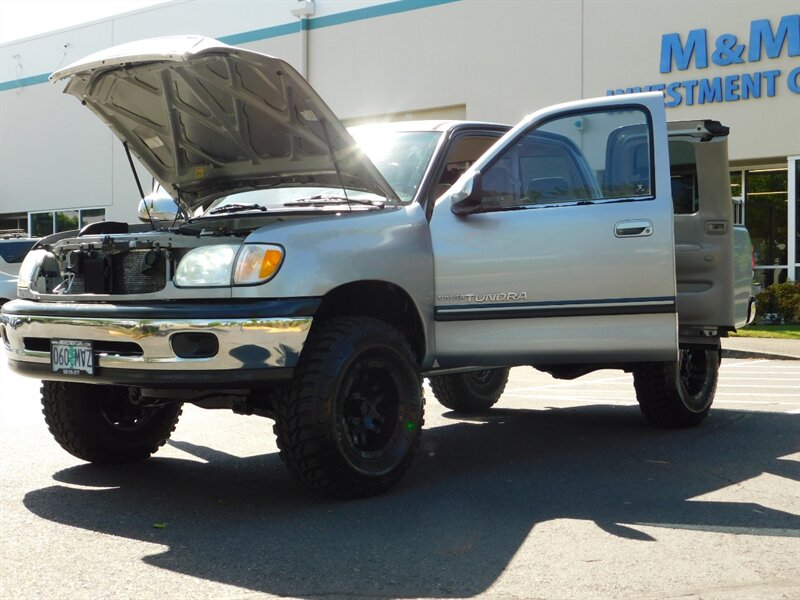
x=451, y=137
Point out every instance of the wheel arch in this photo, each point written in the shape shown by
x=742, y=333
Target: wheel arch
x=381, y=300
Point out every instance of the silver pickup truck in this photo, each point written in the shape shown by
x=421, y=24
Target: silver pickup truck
x=315, y=280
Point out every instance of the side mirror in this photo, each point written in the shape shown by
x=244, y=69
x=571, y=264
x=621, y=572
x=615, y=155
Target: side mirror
x=468, y=199
x=157, y=206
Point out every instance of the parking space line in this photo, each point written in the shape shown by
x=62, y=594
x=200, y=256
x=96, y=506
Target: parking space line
x=766, y=365
x=616, y=380
x=573, y=389
x=759, y=386
x=795, y=379
x=745, y=363
x=757, y=394
x=633, y=402
x=622, y=401
x=758, y=402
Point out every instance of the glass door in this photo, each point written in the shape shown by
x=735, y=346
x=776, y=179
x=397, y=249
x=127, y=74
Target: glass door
x=766, y=217
x=794, y=216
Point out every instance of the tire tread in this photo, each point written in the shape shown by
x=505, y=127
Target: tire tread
x=68, y=412
x=659, y=397
x=302, y=428
x=454, y=392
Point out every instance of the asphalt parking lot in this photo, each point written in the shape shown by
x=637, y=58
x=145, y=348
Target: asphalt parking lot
x=561, y=491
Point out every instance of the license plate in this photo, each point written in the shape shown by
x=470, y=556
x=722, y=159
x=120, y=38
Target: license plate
x=72, y=357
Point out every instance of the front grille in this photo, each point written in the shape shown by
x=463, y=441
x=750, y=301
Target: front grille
x=132, y=275
x=132, y=272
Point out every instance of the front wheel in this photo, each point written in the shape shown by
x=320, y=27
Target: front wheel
x=678, y=394
x=472, y=392
x=351, y=422
x=106, y=423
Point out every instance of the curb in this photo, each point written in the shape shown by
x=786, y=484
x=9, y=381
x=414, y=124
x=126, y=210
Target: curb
x=730, y=353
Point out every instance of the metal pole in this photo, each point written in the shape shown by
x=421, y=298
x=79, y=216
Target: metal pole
x=304, y=10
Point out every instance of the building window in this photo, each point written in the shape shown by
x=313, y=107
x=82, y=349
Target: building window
x=92, y=215
x=66, y=220
x=41, y=224
x=765, y=193
x=45, y=223
x=14, y=222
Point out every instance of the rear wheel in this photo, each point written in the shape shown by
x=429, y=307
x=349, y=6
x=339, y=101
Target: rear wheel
x=678, y=394
x=106, y=423
x=351, y=423
x=470, y=392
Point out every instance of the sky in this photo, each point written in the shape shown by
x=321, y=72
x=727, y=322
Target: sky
x=24, y=18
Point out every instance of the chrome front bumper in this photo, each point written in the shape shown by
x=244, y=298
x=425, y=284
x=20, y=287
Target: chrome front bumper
x=132, y=349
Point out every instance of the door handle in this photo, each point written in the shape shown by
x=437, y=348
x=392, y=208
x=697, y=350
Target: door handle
x=634, y=228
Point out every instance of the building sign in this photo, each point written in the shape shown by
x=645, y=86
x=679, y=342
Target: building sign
x=765, y=43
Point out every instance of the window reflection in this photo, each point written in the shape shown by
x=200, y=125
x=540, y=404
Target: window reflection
x=41, y=224
x=66, y=220
x=46, y=223
x=766, y=216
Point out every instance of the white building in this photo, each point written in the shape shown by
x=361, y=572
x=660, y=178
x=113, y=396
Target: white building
x=736, y=61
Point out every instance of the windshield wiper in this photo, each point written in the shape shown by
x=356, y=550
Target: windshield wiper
x=226, y=208
x=321, y=200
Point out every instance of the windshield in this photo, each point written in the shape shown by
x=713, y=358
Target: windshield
x=401, y=156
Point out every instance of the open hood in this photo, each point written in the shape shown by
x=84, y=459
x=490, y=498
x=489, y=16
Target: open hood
x=206, y=118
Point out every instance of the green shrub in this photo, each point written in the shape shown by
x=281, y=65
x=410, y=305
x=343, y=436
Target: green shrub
x=779, y=303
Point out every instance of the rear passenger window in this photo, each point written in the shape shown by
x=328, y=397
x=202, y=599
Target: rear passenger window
x=590, y=156
x=683, y=177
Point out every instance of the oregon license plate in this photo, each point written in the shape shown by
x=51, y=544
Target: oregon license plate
x=72, y=357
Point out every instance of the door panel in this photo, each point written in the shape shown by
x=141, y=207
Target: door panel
x=703, y=226
x=565, y=261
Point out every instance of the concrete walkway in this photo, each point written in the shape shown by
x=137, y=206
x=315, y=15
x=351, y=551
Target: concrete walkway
x=747, y=347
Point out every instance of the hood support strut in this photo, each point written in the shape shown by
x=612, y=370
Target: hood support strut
x=331, y=151
x=138, y=183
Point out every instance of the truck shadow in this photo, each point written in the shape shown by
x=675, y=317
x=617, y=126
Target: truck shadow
x=452, y=526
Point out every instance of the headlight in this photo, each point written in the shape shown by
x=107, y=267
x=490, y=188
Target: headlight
x=29, y=269
x=217, y=266
x=257, y=263
x=209, y=266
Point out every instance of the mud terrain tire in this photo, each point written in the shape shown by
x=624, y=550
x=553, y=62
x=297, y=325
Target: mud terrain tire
x=678, y=394
x=472, y=392
x=350, y=424
x=99, y=423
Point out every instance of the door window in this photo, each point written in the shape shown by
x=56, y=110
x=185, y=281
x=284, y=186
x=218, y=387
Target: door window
x=573, y=159
x=463, y=151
